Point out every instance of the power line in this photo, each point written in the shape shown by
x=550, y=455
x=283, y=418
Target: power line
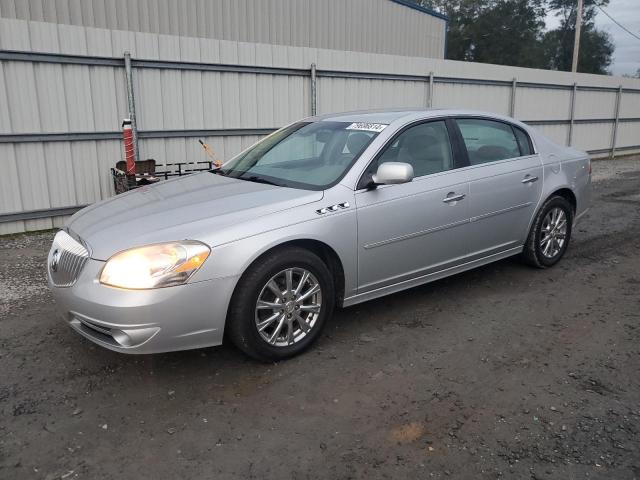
x=617, y=23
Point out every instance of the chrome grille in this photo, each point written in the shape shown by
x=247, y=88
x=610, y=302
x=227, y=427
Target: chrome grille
x=66, y=260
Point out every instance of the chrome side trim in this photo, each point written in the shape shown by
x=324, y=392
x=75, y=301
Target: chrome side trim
x=333, y=208
x=430, y=277
x=499, y=212
x=415, y=234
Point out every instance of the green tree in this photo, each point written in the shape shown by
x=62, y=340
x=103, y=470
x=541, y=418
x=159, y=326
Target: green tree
x=506, y=32
x=511, y=32
x=514, y=42
x=596, y=47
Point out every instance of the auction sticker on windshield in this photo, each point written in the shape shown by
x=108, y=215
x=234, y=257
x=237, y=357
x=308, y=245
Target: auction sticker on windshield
x=369, y=127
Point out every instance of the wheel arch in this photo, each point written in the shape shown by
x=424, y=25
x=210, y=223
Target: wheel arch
x=323, y=250
x=567, y=194
x=563, y=191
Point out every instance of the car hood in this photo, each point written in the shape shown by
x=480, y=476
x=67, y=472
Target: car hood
x=190, y=207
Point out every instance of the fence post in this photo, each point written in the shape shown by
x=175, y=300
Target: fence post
x=573, y=111
x=512, y=107
x=131, y=102
x=430, y=96
x=314, y=94
x=614, y=134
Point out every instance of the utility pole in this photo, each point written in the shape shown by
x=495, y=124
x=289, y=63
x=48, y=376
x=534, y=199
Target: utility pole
x=576, y=39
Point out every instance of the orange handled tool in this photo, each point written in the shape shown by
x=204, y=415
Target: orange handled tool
x=216, y=163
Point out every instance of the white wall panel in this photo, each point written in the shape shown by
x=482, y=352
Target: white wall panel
x=628, y=134
x=44, y=37
x=557, y=133
x=543, y=104
x=103, y=83
x=79, y=98
x=47, y=97
x=630, y=105
x=60, y=175
x=50, y=92
x=592, y=136
x=5, y=122
x=84, y=158
x=341, y=95
x=22, y=99
x=490, y=98
x=590, y=104
x=10, y=198
x=379, y=26
x=33, y=183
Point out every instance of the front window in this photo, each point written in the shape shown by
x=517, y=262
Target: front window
x=426, y=147
x=305, y=155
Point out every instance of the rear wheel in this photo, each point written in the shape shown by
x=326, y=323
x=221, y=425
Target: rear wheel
x=550, y=233
x=281, y=304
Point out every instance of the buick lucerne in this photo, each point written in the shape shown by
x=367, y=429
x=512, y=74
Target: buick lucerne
x=327, y=212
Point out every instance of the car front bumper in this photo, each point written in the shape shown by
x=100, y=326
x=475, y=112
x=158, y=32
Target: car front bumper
x=145, y=321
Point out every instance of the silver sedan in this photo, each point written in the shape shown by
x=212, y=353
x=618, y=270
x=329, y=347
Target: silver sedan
x=327, y=212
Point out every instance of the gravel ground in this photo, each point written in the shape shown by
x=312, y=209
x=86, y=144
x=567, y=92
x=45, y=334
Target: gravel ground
x=501, y=372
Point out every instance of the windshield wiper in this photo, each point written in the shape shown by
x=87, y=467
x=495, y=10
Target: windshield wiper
x=256, y=179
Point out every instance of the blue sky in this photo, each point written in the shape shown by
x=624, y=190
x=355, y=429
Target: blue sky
x=626, y=58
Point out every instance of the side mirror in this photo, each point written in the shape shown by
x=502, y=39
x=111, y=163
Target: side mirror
x=390, y=173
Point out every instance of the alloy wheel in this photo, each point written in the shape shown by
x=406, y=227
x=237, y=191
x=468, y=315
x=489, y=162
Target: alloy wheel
x=553, y=232
x=288, y=307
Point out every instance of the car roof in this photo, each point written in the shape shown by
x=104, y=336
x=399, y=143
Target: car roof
x=372, y=116
x=402, y=115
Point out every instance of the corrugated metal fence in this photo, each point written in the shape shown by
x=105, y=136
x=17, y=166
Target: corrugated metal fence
x=64, y=94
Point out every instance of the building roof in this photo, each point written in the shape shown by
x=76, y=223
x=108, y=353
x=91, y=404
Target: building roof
x=422, y=9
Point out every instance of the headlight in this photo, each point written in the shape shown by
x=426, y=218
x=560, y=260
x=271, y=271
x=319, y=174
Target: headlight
x=155, y=266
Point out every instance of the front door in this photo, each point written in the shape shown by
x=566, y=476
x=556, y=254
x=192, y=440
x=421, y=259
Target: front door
x=412, y=229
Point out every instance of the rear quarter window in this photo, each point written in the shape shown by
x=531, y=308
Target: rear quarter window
x=523, y=141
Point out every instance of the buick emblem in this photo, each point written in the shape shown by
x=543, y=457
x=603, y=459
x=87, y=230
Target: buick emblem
x=55, y=259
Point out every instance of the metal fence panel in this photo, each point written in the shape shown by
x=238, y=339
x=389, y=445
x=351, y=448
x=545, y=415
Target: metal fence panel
x=239, y=92
x=628, y=134
x=557, y=133
x=593, y=104
x=542, y=104
x=481, y=97
x=630, y=105
x=590, y=136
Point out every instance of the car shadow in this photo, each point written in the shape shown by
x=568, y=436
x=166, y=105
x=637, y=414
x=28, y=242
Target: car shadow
x=223, y=374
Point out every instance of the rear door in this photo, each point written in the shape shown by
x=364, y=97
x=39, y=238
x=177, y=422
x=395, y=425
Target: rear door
x=412, y=229
x=505, y=184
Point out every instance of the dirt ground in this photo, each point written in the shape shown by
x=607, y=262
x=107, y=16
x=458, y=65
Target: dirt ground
x=501, y=372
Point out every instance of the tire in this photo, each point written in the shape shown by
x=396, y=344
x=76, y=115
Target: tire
x=544, y=248
x=253, y=329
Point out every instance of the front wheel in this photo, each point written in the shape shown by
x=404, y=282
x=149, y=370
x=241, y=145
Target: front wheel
x=281, y=304
x=550, y=233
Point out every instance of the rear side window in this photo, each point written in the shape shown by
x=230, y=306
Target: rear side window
x=523, y=142
x=487, y=140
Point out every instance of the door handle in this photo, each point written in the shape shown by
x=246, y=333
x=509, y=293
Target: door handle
x=529, y=179
x=452, y=197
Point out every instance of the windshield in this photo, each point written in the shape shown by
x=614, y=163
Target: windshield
x=304, y=155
